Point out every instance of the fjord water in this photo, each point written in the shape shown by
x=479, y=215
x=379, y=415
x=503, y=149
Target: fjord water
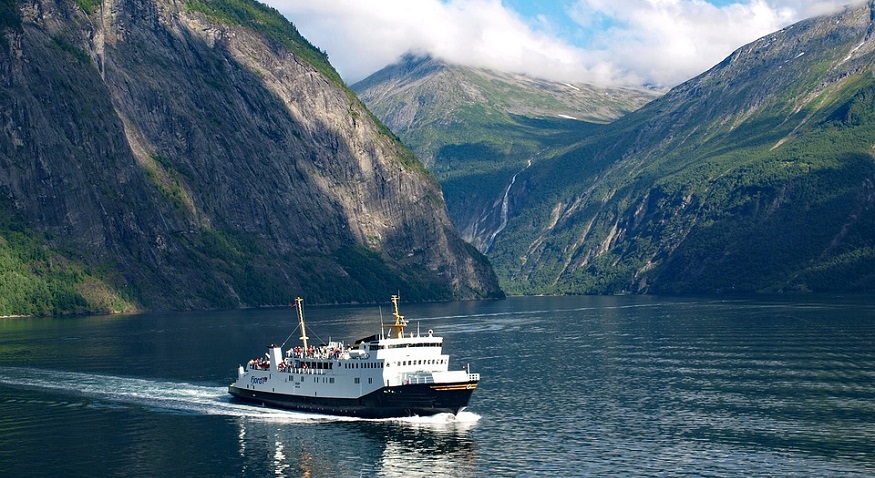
x=571, y=386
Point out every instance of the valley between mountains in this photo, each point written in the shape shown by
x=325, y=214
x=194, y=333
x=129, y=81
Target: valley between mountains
x=756, y=176
x=202, y=154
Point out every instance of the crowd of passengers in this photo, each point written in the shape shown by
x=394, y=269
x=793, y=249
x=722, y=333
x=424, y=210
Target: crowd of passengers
x=322, y=352
x=311, y=352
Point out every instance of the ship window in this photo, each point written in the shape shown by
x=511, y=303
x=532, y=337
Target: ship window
x=357, y=380
x=331, y=380
x=370, y=380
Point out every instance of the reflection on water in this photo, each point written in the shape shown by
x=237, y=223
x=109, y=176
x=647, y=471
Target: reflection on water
x=417, y=446
x=269, y=441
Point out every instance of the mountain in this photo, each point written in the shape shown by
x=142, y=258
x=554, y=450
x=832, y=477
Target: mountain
x=758, y=175
x=476, y=128
x=162, y=154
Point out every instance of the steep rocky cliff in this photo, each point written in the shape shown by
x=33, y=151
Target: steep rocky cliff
x=190, y=154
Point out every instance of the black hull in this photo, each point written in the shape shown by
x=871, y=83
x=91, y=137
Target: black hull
x=387, y=402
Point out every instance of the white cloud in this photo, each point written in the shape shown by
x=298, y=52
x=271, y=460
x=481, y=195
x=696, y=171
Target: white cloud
x=669, y=41
x=645, y=41
x=362, y=36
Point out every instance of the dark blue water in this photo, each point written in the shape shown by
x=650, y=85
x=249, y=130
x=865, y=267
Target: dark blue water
x=572, y=386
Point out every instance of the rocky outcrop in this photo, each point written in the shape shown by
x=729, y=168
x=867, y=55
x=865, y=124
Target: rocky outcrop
x=201, y=161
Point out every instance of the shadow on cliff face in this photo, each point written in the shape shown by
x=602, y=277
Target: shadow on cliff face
x=215, y=169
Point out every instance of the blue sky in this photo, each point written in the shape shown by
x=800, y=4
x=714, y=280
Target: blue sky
x=606, y=42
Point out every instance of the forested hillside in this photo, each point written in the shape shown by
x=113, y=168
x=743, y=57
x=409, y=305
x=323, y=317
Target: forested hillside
x=758, y=175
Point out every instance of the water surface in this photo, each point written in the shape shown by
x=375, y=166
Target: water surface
x=571, y=386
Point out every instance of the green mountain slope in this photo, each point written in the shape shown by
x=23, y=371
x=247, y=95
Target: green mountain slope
x=202, y=154
x=475, y=129
x=758, y=175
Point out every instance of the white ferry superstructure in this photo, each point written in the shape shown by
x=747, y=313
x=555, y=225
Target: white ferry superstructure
x=392, y=374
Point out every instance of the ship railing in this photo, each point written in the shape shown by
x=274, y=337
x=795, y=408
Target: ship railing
x=305, y=371
x=415, y=379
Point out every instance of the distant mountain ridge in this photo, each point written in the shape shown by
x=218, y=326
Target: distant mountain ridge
x=758, y=175
x=159, y=154
x=421, y=91
x=476, y=128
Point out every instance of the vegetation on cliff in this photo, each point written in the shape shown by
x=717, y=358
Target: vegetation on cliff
x=475, y=129
x=756, y=176
x=204, y=156
x=269, y=22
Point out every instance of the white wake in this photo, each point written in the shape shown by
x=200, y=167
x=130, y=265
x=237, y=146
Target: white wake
x=182, y=397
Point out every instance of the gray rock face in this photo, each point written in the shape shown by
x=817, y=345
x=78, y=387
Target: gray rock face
x=206, y=165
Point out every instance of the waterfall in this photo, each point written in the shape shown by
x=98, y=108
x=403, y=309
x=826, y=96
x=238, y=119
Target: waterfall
x=504, y=205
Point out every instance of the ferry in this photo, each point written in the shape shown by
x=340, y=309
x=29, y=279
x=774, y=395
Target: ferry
x=391, y=374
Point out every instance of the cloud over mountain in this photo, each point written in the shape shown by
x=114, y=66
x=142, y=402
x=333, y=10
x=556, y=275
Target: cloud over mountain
x=599, y=41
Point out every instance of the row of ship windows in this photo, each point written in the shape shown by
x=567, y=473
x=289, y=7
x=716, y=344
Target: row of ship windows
x=403, y=346
x=364, y=365
x=331, y=380
x=402, y=363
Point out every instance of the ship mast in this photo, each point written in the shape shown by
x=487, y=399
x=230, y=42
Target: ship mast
x=299, y=304
x=400, y=323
